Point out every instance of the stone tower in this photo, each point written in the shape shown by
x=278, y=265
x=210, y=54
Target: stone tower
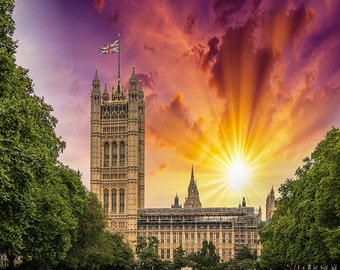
x=270, y=205
x=193, y=199
x=117, y=153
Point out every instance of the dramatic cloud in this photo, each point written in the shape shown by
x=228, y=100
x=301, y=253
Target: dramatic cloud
x=182, y=134
x=223, y=80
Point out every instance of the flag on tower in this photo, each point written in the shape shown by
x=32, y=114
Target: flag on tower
x=111, y=47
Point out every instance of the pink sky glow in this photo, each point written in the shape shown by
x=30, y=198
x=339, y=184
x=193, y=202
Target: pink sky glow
x=245, y=84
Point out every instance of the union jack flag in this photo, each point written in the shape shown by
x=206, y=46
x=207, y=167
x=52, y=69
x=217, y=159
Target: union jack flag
x=111, y=47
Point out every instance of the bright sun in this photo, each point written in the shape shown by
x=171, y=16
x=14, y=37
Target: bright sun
x=238, y=174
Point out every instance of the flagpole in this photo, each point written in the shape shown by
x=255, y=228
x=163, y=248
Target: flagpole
x=119, y=57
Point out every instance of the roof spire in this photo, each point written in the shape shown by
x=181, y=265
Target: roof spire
x=96, y=83
x=133, y=80
x=193, y=200
x=192, y=173
x=96, y=75
x=105, y=94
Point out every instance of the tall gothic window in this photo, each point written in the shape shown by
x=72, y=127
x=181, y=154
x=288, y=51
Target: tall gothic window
x=106, y=200
x=122, y=154
x=114, y=154
x=106, y=154
x=114, y=200
x=121, y=200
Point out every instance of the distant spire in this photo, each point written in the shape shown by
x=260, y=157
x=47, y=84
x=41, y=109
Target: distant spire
x=244, y=204
x=193, y=200
x=192, y=173
x=176, y=203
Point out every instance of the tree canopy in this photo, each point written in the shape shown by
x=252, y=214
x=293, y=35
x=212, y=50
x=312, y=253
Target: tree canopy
x=305, y=229
x=48, y=218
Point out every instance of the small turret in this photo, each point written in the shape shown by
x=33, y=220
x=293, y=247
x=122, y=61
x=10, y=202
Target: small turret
x=96, y=82
x=176, y=204
x=244, y=203
x=95, y=93
x=270, y=205
x=133, y=80
x=140, y=91
x=135, y=92
x=105, y=95
x=118, y=92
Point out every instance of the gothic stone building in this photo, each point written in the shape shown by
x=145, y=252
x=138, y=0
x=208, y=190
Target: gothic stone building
x=118, y=179
x=270, y=205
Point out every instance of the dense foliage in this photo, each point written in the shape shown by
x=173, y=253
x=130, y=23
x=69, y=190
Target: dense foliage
x=305, y=229
x=48, y=218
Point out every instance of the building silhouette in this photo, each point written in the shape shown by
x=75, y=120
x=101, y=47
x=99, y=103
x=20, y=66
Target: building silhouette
x=270, y=205
x=118, y=178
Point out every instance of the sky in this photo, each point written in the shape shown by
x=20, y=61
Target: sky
x=242, y=90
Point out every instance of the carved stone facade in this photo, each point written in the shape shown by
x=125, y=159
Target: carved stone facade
x=227, y=228
x=117, y=177
x=117, y=153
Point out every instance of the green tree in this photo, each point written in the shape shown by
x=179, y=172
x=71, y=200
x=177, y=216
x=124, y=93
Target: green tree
x=326, y=172
x=89, y=236
x=147, y=252
x=244, y=253
x=54, y=229
x=47, y=215
x=245, y=258
x=307, y=212
x=29, y=151
x=122, y=253
x=180, y=259
x=207, y=258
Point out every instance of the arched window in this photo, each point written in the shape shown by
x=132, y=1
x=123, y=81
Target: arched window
x=106, y=154
x=122, y=154
x=106, y=200
x=114, y=200
x=121, y=200
x=114, y=154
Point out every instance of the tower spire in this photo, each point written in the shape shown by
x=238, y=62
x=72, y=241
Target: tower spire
x=95, y=81
x=193, y=199
x=192, y=173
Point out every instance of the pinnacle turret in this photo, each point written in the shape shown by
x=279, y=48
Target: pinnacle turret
x=96, y=82
x=118, y=93
x=133, y=80
x=176, y=203
x=105, y=95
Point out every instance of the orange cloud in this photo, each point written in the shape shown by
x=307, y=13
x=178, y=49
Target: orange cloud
x=172, y=126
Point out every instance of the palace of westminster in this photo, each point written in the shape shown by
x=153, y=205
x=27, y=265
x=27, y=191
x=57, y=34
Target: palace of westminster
x=118, y=178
